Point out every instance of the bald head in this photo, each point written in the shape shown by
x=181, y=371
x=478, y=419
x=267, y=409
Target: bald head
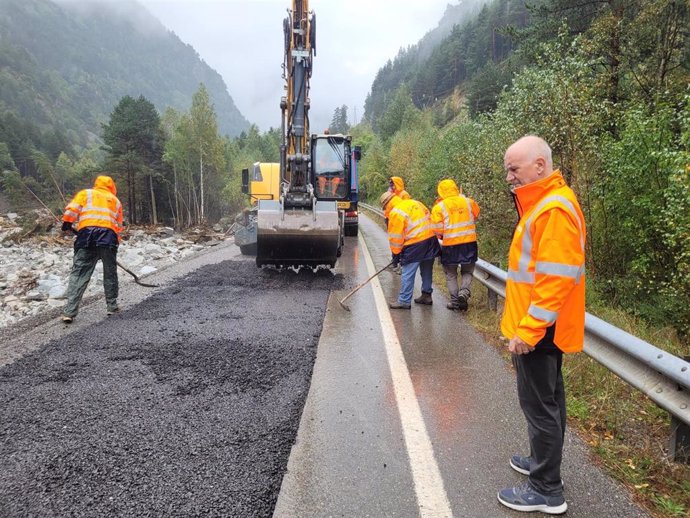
x=527, y=160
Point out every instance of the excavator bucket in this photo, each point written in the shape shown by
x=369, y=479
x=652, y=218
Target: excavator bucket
x=298, y=237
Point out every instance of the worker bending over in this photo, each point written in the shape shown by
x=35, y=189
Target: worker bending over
x=413, y=244
x=96, y=216
x=453, y=219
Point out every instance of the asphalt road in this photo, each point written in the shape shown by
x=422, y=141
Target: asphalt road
x=185, y=404
x=199, y=400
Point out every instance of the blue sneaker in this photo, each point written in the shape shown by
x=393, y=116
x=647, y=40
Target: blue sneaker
x=524, y=498
x=520, y=464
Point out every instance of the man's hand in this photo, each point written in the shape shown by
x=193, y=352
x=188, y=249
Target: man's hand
x=396, y=259
x=517, y=346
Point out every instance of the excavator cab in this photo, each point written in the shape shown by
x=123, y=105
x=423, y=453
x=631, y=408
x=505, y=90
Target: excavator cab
x=331, y=158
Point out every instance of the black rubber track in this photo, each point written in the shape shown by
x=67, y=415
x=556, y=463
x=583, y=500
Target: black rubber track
x=185, y=405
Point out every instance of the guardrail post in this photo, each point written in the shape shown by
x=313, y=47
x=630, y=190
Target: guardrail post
x=493, y=296
x=679, y=447
x=493, y=300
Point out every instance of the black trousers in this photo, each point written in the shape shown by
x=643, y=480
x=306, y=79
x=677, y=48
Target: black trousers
x=542, y=399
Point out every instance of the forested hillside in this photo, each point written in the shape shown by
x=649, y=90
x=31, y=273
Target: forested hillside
x=606, y=83
x=64, y=66
x=467, y=39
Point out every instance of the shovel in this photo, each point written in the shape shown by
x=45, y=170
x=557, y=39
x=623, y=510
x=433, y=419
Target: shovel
x=136, y=279
x=342, y=301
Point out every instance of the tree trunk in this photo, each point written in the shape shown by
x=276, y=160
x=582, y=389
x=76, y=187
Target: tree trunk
x=130, y=197
x=154, y=212
x=201, y=179
x=178, y=222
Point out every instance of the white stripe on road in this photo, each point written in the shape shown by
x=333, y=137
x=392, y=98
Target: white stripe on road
x=428, y=484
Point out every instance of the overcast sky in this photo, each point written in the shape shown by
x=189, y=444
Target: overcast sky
x=243, y=41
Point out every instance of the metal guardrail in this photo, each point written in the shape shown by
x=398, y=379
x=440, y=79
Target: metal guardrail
x=663, y=377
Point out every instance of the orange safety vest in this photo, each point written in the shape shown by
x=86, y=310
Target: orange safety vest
x=97, y=207
x=546, y=266
x=454, y=216
x=408, y=223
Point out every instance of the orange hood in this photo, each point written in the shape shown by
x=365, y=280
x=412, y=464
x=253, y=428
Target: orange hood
x=448, y=188
x=105, y=182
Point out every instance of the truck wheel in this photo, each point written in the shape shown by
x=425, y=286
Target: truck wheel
x=351, y=230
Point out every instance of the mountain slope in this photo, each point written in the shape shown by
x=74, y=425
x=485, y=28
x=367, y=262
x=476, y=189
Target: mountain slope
x=66, y=66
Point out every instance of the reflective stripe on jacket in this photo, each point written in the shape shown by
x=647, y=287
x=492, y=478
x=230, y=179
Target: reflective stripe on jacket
x=546, y=266
x=454, y=216
x=97, y=207
x=408, y=223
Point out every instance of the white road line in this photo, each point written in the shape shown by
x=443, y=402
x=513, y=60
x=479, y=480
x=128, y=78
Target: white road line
x=428, y=484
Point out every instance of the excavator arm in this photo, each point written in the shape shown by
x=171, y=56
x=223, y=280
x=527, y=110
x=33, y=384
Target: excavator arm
x=298, y=229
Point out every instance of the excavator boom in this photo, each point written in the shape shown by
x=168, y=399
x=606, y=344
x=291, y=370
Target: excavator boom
x=298, y=228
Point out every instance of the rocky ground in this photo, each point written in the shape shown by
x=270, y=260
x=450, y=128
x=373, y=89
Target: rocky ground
x=35, y=260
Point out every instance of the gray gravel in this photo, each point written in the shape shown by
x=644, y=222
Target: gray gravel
x=185, y=404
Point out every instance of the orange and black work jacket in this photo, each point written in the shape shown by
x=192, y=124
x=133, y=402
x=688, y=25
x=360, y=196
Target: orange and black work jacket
x=546, y=266
x=397, y=187
x=409, y=231
x=97, y=215
x=453, y=219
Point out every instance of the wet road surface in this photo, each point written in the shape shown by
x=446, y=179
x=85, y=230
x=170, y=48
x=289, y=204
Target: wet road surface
x=356, y=453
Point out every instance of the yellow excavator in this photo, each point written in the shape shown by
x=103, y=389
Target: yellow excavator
x=301, y=224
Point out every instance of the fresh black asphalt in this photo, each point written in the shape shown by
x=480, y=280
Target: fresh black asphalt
x=186, y=404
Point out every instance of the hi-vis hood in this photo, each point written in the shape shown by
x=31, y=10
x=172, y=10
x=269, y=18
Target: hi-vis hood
x=448, y=188
x=105, y=182
x=398, y=184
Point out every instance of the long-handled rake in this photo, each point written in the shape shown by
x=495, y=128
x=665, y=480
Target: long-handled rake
x=360, y=286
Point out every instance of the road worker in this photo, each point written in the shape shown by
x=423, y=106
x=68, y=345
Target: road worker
x=413, y=244
x=96, y=217
x=453, y=219
x=544, y=315
x=396, y=185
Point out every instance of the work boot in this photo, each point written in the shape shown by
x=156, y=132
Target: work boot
x=453, y=304
x=67, y=319
x=462, y=302
x=398, y=305
x=113, y=310
x=424, y=298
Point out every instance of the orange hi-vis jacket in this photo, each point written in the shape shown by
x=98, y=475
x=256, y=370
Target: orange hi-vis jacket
x=398, y=188
x=546, y=266
x=408, y=223
x=453, y=218
x=97, y=207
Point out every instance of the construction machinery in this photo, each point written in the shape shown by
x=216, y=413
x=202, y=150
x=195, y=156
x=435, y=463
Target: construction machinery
x=337, y=181
x=262, y=183
x=303, y=226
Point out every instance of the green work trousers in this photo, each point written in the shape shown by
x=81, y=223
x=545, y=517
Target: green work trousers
x=85, y=260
